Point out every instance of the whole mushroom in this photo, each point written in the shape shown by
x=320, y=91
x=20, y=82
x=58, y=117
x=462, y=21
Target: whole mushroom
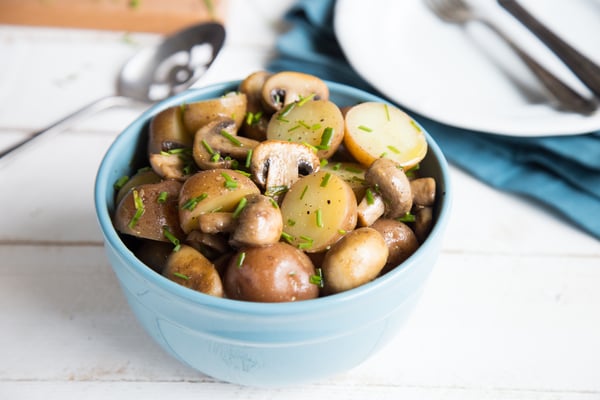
x=286, y=87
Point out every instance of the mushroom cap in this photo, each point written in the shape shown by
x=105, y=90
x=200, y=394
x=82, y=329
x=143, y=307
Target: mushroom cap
x=286, y=87
x=393, y=185
x=277, y=163
x=259, y=223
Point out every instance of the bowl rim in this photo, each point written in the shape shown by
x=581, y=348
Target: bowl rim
x=112, y=238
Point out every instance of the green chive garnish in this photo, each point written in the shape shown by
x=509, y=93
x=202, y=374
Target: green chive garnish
x=171, y=238
x=317, y=279
x=365, y=128
x=394, y=149
x=326, y=139
x=182, y=276
x=325, y=179
x=387, y=112
x=119, y=183
x=414, y=124
x=240, y=259
x=303, y=100
x=207, y=147
x=162, y=197
x=139, y=209
x=193, y=202
x=230, y=137
x=287, y=237
x=303, y=192
x=369, y=197
x=240, y=207
x=230, y=183
x=408, y=217
x=319, y=217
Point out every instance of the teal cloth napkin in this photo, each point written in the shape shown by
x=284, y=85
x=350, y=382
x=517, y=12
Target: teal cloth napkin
x=559, y=172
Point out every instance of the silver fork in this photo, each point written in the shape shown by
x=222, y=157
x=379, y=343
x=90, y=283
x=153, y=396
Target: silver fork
x=459, y=12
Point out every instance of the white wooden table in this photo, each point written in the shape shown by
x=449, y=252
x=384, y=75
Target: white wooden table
x=512, y=309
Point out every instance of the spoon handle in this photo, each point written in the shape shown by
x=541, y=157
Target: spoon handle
x=93, y=107
x=584, y=68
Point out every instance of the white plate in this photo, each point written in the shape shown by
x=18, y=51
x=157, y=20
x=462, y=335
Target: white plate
x=467, y=77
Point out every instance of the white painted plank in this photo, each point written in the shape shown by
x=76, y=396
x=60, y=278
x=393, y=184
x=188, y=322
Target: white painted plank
x=510, y=323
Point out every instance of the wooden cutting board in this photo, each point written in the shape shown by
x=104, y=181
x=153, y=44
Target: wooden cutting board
x=160, y=16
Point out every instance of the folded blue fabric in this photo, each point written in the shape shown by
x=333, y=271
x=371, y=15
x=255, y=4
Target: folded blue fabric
x=561, y=172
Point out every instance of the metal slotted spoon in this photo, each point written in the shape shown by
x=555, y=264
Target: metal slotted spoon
x=152, y=74
x=459, y=12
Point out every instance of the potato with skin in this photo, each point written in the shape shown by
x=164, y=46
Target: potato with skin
x=141, y=214
x=354, y=260
x=375, y=130
x=318, y=210
x=318, y=123
x=210, y=191
x=274, y=273
x=353, y=173
x=232, y=105
x=188, y=267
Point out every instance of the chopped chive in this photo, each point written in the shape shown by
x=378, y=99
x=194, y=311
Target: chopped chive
x=240, y=259
x=316, y=126
x=337, y=166
x=365, y=128
x=193, y=202
x=286, y=111
x=182, y=276
x=230, y=137
x=139, y=209
x=326, y=139
x=273, y=202
x=342, y=231
x=253, y=118
x=162, y=197
x=323, y=162
x=240, y=207
x=144, y=169
x=412, y=171
x=317, y=278
x=369, y=197
x=387, y=112
x=215, y=157
x=304, y=100
x=319, y=217
x=230, y=183
x=313, y=148
x=293, y=128
x=303, y=192
x=393, y=149
x=325, y=179
x=287, y=237
x=245, y=173
x=179, y=150
x=414, y=124
x=408, y=217
x=248, y=158
x=354, y=170
x=276, y=190
x=307, y=244
x=119, y=183
x=382, y=155
x=207, y=147
x=167, y=233
x=304, y=124
x=290, y=222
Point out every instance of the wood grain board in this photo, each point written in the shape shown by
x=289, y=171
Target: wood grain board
x=121, y=15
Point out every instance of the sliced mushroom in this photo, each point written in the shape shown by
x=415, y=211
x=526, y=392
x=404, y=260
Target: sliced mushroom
x=286, y=87
x=257, y=117
x=259, y=223
x=217, y=222
x=423, y=192
x=391, y=182
x=173, y=165
x=191, y=269
x=216, y=145
x=276, y=164
x=210, y=245
x=354, y=260
x=146, y=212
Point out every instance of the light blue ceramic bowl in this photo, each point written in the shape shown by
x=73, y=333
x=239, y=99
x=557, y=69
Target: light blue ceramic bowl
x=255, y=343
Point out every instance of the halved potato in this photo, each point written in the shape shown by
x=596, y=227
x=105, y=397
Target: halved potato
x=318, y=210
x=375, y=130
x=210, y=191
x=318, y=123
x=352, y=173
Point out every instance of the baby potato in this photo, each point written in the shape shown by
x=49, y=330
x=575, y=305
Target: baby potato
x=318, y=210
x=318, y=123
x=375, y=130
x=188, y=267
x=209, y=191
